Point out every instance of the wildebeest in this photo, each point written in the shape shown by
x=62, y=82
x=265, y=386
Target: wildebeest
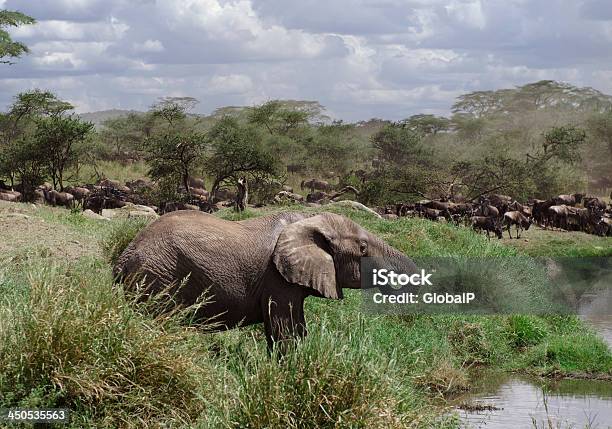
x=58, y=198
x=568, y=200
x=556, y=216
x=79, y=193
x=594, y=203
x=12, y=196
x=488, y=224
x=540, y=210
x=518, y=219
x=604, y=227
x=487, y=210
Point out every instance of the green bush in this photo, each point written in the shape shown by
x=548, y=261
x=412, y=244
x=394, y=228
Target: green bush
x=579, y=352
x=525, y=331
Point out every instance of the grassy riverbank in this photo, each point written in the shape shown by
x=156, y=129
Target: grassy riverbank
x=68, y=338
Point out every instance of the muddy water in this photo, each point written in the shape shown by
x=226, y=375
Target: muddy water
x=522, y=402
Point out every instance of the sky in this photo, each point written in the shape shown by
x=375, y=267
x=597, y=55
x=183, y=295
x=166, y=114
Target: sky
x=359, y=58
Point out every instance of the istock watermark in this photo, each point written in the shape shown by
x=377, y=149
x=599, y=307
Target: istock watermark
x=384, y=277
x=493, y=285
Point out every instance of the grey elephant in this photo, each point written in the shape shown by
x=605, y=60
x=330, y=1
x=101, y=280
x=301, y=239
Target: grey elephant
x=256, y=270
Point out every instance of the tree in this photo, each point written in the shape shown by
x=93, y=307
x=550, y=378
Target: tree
x=59, y=140
x=496, y=173
x=331, y=149
x=126, y=132
x=398, y=145
x=427, y=124
x=173, y=110
x=174, y=157
x=286, y=118
x=9, y=48
x=562, y=143
x=19, y=124
x=236, y=151
x=407, y=166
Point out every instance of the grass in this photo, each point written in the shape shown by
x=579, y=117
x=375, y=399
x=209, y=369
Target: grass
x=111, y=170
x=540, y=242
x=68, y=338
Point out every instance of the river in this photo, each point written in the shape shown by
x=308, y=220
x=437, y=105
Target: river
x=518, y=402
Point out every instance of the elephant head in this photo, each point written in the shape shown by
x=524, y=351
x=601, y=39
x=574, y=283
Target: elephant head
x=323, y=253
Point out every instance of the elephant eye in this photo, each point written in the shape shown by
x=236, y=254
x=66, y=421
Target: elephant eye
x=363, y=248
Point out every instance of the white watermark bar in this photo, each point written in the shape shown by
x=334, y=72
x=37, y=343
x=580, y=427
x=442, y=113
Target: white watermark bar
x=489, y=285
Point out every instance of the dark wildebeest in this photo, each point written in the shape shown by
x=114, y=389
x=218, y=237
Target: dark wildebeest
x=594, y=203
x=556, y=216
x=79, y=193
x=499, y=201
x=517, y=218
x=568, y=200
x=58, y=198
x=487, y=210
x=488, y=224
x=604, y=227
x=431, y=214
x=540, y=210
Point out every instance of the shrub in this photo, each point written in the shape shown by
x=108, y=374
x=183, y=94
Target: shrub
x=584, y=352
x=525, y=331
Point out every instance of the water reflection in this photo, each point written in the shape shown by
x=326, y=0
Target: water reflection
x=523, y=403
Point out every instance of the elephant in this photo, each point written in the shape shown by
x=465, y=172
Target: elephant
x=256, y=270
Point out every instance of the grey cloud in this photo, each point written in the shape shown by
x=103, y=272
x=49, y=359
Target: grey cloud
x=361, y=59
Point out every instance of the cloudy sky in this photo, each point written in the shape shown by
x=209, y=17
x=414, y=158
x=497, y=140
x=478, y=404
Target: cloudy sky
x=359, y=58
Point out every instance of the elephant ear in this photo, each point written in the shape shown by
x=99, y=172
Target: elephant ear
x=303, y=256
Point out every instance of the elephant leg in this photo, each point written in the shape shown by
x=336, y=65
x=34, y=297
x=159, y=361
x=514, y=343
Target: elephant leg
x=283, y=316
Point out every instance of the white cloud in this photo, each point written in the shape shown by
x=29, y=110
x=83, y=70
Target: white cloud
x=360, y=58
x=227, y=84
x=468, y=12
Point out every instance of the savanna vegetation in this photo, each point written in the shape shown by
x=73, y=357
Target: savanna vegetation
x=71, y=338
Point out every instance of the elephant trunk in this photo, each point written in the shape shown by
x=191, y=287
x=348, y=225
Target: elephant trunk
x=393, y=259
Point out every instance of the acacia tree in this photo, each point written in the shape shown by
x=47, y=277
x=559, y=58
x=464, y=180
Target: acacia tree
x=126, y=132
x=174, y=149
x=8, y=47
x=237, y=150
x=59, y=140
x=427, y=124
x=17, y=129
x=561, y=143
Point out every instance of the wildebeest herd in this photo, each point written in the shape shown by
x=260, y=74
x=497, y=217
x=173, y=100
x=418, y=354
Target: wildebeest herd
x=494, y=212
x=111, y=194
x=490, y=213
